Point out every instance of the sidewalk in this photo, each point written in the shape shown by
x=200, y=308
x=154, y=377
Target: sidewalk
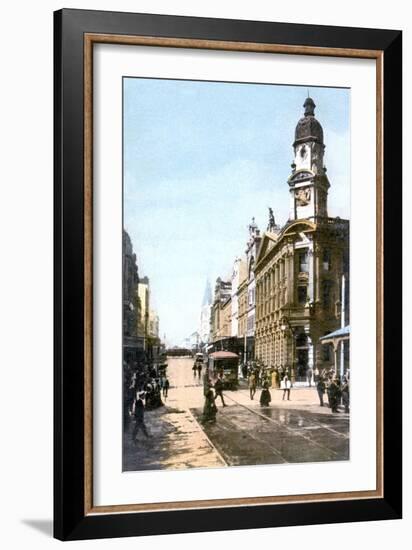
x=305, y=398
x=176, y=441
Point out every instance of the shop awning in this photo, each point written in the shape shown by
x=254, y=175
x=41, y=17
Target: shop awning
x=336, y=336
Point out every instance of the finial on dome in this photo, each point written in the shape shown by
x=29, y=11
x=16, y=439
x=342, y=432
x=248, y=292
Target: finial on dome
x=309, y=106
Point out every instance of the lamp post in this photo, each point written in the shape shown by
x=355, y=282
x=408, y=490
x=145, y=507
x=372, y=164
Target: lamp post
x=284, y=326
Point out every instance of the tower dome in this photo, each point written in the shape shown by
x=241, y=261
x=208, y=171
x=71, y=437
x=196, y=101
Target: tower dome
x=308, y=128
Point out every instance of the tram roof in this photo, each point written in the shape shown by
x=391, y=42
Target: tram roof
x=224, y=355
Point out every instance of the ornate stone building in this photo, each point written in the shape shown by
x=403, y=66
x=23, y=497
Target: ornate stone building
x=252, y=251
x=153, y=324
x=299, y=268
x=221, y=315
x=205, y=313
x=242, y=298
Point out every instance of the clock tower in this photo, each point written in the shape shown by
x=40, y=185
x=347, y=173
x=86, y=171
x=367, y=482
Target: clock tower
x=308, y=183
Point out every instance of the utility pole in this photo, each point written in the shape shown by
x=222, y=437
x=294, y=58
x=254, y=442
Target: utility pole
x=245, y=347
x=342, y=325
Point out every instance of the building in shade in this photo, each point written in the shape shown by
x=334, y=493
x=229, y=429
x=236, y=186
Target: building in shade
x=132, y=342
x=144, y=298
x=299, y=269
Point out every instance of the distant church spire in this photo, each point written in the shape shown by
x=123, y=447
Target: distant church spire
x=207, y=297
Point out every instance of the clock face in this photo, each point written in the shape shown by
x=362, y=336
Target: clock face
x=302, y=196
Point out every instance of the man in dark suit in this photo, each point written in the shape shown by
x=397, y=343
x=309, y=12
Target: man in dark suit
x=139, y=417
x=219, y=389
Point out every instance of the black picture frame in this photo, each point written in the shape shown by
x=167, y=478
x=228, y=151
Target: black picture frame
x=70, y=520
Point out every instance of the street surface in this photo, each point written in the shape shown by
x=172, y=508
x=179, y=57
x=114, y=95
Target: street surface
x=245, y=433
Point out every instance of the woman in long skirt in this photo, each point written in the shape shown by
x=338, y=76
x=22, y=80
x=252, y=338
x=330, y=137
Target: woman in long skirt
x=265, y=397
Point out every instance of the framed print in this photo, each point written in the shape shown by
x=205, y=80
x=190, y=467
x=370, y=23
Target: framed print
x=227, y=274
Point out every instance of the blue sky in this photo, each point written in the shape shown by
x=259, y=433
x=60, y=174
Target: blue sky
x=202, y=158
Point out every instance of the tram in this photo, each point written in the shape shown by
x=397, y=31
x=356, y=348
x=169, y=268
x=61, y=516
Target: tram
x=225, y=363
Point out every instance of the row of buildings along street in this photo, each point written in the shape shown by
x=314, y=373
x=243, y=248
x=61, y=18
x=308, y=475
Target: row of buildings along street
x=141, y=339
x=289, y=292
x=264, y=378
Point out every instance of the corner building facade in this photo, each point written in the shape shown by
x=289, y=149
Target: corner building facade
x=300, y=268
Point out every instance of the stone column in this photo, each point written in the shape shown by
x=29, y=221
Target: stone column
x=335, y=356
x=317, y=272
x=311, y=273
x=291, y=277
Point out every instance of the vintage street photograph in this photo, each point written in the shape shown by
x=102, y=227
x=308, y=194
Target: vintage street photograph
x=236, y=274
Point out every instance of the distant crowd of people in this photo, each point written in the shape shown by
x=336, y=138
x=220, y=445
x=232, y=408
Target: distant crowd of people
x=326, y=382
x=197, y=369
x=144, y=386
x=336, y=388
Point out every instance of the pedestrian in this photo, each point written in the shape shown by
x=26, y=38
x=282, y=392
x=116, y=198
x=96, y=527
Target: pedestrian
x=309, y=374
x=139, y=418
x=166, y=385
x=274, y=378
x=345, y=395
x=282, y=372
x=209, y=409
x=157, y=396
x=199, y=370
x=329, y=375
x=286, y=385
x=149, y=396
x=265, y=397
x=244, y=371
x=252, y=385
x=219, y=389
x=334, y=394
x=321, y=386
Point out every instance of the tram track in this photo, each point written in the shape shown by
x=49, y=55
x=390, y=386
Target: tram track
x=292, y=431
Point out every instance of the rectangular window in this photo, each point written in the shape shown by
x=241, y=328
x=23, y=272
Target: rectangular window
x=302, y=294
x=303, y=261
x=345, y=261
x=326, y=260
x=326, y=293
x=326, y=351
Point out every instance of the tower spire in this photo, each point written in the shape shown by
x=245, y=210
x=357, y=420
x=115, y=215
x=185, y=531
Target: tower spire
x=308, y=183
x=309, y=106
